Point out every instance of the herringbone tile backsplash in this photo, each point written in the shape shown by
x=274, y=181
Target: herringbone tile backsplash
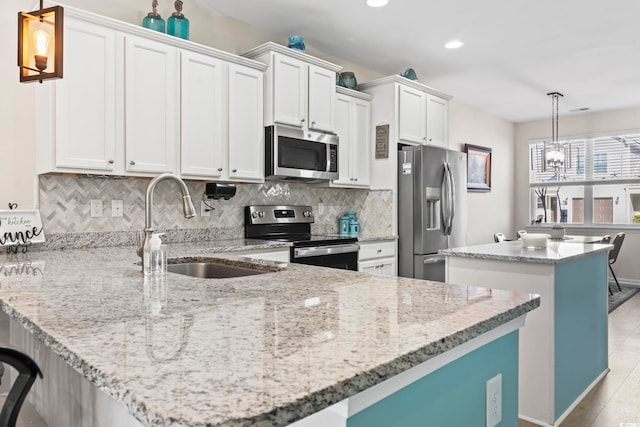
x=65, y=205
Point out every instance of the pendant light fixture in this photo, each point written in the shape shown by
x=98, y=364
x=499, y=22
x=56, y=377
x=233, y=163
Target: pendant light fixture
x=555, y=157
x=40, y=44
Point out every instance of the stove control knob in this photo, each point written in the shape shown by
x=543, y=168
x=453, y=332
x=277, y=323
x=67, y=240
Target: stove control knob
x=261, y=214
x=306, y=214
x=254, y=214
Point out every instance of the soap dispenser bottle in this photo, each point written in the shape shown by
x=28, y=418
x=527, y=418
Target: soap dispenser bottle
x=155, y=257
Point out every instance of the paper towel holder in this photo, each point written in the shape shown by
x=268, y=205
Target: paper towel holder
x=216, y=190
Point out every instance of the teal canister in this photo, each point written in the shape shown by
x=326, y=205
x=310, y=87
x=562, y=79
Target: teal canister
x=354, y=228
x=344, y=224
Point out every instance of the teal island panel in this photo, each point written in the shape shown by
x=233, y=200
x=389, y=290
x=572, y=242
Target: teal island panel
x=581, y=336
x=454, y=395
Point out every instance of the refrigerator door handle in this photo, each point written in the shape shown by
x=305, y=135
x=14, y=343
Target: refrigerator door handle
x=452, y=201
x=447, y=202
x=443, y=202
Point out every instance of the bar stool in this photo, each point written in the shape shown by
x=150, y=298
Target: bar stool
x=28, y=370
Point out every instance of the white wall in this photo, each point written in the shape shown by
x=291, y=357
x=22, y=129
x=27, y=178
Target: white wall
x=488, y=212
x=627, y=266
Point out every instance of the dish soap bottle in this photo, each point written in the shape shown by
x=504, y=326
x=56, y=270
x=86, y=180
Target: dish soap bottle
x=155, y=257
x=178, y=25
x=153, y=20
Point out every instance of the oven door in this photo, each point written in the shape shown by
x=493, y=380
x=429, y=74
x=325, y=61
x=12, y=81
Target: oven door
x=290, y=153
x=344, y=256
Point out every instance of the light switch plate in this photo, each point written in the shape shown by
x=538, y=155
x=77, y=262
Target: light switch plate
x=96, y=208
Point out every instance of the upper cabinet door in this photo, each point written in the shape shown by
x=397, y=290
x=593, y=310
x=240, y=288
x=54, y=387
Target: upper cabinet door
x=289, y=90
x=412, y=126
x=151, y=113
x=343, y=129
x=437, y=123
x=203, y=127
x=246, y=125
x=85, y=108
x=322, y=98
x=361, y=142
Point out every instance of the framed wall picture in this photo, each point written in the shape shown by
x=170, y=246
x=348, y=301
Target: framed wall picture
x=478, y=168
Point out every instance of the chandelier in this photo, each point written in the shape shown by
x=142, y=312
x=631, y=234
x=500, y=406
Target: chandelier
x=554, y=157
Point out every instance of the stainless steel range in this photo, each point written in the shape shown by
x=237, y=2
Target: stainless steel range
x=293, y=224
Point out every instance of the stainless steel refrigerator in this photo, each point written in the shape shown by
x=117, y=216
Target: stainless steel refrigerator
x=432, y=209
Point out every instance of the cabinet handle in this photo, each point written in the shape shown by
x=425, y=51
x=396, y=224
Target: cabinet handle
x=430, y=139
x=313, y=123
x=302, y=120
x=234, y=170
x=110, y=162
x=355, y=179
x=424, y=138
x=132, y=163
x=219, y=169
x=379, y=251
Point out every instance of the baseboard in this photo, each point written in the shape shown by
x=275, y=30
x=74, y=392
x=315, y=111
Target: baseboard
x=626, y=282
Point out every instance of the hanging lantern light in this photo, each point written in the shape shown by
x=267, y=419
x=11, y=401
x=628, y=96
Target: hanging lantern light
x=40, y=35
x=555, y=157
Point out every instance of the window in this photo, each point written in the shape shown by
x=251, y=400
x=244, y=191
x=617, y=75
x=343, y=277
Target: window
x=597, y=180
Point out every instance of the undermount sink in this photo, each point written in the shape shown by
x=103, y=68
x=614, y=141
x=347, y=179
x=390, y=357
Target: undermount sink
x=212, y=270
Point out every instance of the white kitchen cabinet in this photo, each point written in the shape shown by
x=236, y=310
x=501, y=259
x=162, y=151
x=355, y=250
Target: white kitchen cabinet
x=133, y=100
x=353, y=126
x=437, y=121
x=422, y=117
x=151, y=106
x=322, y=100
x=77, y=114
x=202, y=135
x=246, y=130
x=412, y=115
x=378, y=257
x=299, y=88
x=222, y=113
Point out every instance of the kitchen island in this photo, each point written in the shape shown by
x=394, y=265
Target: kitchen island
x=563, y=347
x=298, y=344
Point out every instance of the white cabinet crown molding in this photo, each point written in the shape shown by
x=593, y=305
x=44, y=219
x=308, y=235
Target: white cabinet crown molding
x=405, y=81
x=294, y=53
x=132, y=29
x=353, y=93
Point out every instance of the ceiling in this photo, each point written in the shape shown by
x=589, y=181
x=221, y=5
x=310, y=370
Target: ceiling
x=514, y=52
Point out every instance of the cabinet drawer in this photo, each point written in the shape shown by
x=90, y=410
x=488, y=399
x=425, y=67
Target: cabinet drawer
x=378, y=267
x=376, y=250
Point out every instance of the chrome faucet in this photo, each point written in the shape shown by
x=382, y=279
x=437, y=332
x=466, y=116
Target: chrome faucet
x=144, y=237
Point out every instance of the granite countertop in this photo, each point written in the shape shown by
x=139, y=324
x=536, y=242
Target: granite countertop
x=263, y=350
x=556, y=251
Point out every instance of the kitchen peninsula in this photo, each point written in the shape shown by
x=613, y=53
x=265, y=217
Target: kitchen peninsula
x=288, y=346
x=563, y=347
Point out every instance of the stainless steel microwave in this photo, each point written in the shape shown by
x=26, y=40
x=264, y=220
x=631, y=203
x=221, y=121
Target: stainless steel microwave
x=292, y=153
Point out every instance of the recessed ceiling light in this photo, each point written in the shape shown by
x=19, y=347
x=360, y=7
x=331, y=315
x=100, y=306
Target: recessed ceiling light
x=454, y=44
x=377, y=3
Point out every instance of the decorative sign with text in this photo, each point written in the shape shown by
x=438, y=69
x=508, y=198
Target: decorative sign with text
x=20, y=227
x=382, y=142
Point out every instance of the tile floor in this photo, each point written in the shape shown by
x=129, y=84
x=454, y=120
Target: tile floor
x=615, y=401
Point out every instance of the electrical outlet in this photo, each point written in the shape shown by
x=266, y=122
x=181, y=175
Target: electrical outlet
x=204, y=210
x=96, y=208
x=494, y=401
x=117, y=208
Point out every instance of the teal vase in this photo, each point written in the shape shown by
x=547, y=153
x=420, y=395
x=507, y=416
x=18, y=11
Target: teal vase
x=153, y=21
x=178, y=26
